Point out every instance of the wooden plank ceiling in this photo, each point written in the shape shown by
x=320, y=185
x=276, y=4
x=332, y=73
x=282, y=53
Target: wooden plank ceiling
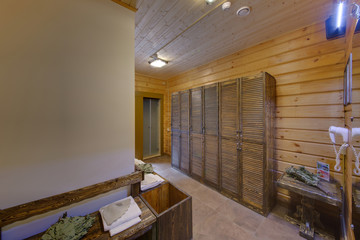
x=219, y=34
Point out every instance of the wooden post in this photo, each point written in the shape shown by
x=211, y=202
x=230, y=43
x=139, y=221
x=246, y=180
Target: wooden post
x=350, y=29
x=307, y=218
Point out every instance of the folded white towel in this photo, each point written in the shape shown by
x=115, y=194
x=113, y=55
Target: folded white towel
x=114, y=211
x=133, y=212
x=124, y=226
x=150, y=181
x=138, y=162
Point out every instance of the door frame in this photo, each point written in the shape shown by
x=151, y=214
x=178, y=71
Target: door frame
x=139, y=119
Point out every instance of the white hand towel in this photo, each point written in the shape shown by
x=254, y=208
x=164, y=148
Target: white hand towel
x=150, y=181
x=133, y=212
x=124, y=226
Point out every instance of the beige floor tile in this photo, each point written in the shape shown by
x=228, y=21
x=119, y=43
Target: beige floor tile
x=274, y=227
x=241, y=215
x=200, y=211
x=216, y=217
x=222, y=227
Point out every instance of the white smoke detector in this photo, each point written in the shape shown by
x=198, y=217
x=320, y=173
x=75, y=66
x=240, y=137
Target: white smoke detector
x=226, y=6
x=243, y=11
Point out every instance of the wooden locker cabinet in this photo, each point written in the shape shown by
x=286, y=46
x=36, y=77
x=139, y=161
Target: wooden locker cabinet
x=232, y=133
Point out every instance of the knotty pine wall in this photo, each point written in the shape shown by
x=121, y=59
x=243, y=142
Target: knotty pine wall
x=309, y=82
x=152, y=85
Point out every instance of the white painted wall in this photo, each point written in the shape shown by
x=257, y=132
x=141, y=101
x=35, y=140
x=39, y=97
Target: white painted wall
x=66, y=96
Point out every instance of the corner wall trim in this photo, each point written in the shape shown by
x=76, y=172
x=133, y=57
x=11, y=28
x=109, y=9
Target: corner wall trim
x=125, y=5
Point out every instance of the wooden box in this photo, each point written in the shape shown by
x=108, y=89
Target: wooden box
x=173, y=211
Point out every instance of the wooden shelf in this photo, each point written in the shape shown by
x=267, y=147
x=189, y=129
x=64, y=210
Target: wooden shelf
x=97, y=230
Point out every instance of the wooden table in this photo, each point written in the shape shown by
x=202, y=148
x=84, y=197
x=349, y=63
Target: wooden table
x=309, y=195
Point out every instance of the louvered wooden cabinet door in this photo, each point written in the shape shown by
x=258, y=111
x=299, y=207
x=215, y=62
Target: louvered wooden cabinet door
x=252, y=140
x=196, y=113
x=184, y=156
x=184, y=128
x=252, y=109
x=196, y=155
x=252, y=174
x=175, y=149
x=211, y=138
x=196, y=136
x=211, y=160
x=229, y=167
x=229, y=124
x=175, y=130
x=229, y=115
x=175, y=111
x=184, y=110
x=211, y=110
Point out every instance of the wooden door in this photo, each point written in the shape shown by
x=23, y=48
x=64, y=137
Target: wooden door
x=175, y=130
x=229, y=126
x=252, y=139
x=211, y=135
x=184, y=129
x=196, y=133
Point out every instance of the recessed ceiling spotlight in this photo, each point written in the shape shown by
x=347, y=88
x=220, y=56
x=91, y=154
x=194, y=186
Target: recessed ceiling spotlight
x=243, y=11
x=226, y=6
x=157, y=62
x=209, y=2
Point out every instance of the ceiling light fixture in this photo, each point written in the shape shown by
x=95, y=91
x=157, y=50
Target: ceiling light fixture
x=209, y=2
x=243, y=11
x=157, y=62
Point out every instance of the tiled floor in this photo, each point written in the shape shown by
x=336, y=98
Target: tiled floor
x=216, y=217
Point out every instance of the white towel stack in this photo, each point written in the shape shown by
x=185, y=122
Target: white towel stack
x=138, y=162
x=127, y=220
x=150, y=181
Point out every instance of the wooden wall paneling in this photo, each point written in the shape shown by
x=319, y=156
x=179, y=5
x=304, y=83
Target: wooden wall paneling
x=229, y=126
x=310, y=81
x=196, y=136
x=211, y=135
x=184, y=128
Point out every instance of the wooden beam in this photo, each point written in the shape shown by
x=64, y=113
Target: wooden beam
x=121, y=3
x=24, y=211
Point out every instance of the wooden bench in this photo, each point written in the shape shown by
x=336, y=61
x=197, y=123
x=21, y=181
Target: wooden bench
x=27, y=210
